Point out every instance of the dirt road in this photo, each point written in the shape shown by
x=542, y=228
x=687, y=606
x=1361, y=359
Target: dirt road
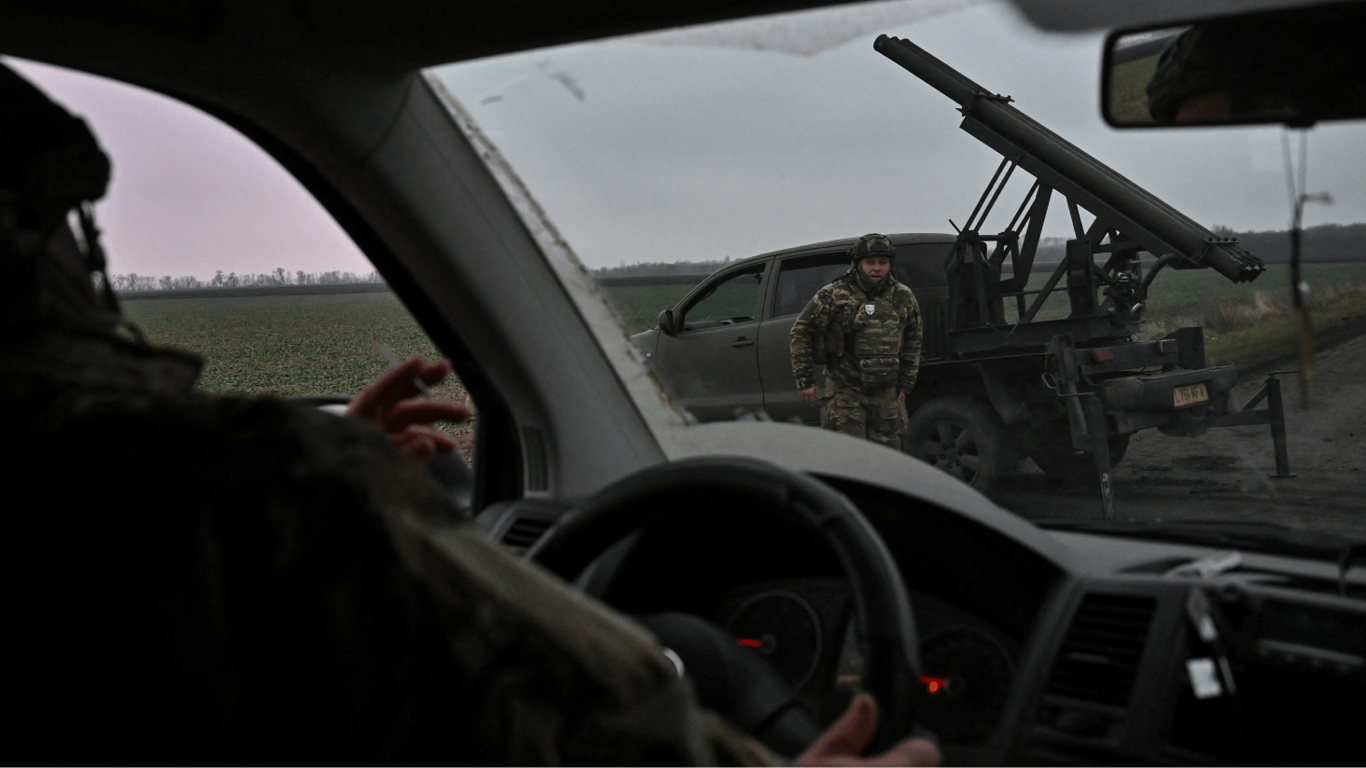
x=1227, y=473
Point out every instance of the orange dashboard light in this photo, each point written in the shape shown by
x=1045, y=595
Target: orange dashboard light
x=748, y=642
x=933, y=684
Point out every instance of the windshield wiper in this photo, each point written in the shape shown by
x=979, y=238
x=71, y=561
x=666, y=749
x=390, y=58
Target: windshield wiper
x=1272, y=538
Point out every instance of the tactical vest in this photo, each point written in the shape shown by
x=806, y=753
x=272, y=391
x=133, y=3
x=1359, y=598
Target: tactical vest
x=876, y=341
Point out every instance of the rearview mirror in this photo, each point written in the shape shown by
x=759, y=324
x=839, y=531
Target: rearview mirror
x=1294, y=67
x=666, y=322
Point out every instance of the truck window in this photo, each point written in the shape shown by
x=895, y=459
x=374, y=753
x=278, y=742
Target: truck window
x=919, y=265
x=800, y=278
x=736, y=298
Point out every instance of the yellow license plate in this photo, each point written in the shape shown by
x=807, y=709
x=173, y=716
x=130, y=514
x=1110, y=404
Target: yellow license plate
x=1189, y=395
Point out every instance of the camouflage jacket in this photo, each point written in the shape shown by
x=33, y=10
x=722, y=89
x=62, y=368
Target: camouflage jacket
x=280, y=585
x=868, y=340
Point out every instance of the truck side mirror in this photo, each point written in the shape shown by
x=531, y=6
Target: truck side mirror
x=666, y=322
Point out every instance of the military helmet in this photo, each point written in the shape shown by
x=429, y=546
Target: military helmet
x=57, y=305
x=872, y=245
x=50, y=162
x=51, y=167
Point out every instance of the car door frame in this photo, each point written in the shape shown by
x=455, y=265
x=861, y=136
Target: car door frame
x=711, y=397
x=782, y=400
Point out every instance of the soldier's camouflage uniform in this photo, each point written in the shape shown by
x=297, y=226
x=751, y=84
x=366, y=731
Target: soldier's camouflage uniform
x=233, y=580
x=246, y=581
x=869, y=338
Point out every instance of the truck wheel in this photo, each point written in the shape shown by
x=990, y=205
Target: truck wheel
x=962, y=437
x=1055, y=456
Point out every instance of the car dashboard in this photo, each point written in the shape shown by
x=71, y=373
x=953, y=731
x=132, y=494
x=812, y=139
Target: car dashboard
x=1263, y=663
x=1130, y=653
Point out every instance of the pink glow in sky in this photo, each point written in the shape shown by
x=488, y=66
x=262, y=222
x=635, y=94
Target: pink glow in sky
x=189, y=195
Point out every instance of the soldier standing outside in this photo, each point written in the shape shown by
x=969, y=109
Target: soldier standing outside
x=866, y=328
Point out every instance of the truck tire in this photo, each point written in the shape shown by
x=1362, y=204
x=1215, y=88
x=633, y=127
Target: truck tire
x=962, y=437
x=1055, y=456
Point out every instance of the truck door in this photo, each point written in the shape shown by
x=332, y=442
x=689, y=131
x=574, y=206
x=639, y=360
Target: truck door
x=799, y=277
x=710, y=363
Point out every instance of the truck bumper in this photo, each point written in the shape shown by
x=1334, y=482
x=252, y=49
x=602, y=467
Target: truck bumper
x=1177, y=401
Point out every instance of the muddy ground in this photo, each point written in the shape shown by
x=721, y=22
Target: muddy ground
x=1228, y=473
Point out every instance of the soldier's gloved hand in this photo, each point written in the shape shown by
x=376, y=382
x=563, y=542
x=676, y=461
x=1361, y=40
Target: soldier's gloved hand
x=808, y=395
x=845, y=739
x=392, y=403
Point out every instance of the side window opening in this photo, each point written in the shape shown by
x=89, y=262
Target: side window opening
x=736, y=299
x=919, y=265
x=799, y=279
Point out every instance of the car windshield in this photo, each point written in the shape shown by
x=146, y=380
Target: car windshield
x=837, y=349
x=711, y=180
x=665, y=160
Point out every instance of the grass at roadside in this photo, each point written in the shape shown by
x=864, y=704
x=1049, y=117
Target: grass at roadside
x=1262, y=325
x=1201, y=292
x=1185, y=287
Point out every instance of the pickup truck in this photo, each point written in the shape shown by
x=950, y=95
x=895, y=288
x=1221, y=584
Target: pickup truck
x=724, y=350
x=986, y=397
x=724, y=353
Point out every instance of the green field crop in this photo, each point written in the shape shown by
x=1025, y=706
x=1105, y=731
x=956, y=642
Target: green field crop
x=1175, y=287
x=285, y=345
x=291, y=345
x=1178, y=288
x=639, y=306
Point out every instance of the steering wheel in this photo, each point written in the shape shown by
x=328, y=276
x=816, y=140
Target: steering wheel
x=884, y=624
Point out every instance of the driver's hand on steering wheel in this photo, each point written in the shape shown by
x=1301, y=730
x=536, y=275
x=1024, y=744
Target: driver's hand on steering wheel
x=846, y=737
x=392, y=403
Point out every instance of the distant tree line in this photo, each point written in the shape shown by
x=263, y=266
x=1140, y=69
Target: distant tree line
x=280, y=277
x=1329, y=243
x=656, y=268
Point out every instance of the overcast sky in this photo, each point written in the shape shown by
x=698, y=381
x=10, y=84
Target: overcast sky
x=189, y=195
x=662, y=149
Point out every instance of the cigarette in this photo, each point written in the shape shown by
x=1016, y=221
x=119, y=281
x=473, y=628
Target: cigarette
x=392, y=360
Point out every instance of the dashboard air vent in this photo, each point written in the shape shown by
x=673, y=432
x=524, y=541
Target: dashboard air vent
x=1100, y=655
x=524, y=532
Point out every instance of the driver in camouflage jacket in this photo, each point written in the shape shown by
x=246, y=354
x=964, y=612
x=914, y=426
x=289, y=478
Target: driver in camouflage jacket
x=866, y=328
x=245, y=580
